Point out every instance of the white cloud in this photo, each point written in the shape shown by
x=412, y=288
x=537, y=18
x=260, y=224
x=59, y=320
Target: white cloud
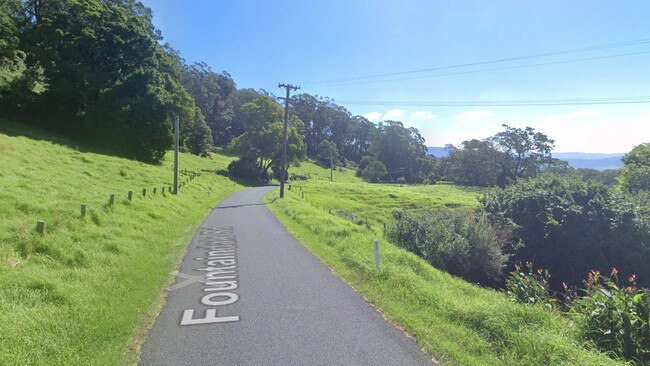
x=603, y=131
x=393, y=113
x=371, y=116
x=475, y=115
x=424, y=115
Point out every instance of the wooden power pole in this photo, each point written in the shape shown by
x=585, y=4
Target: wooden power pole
x=176, y=138
x=331, y=165
x=283, y=173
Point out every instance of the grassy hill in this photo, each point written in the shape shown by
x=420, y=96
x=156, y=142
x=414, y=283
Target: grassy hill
x=316, y=172
x=85, y=291
x=455, y=322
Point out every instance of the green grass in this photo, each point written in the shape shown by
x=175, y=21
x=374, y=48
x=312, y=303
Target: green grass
x=85, y=292
x=376, y=202
x=318, y=173
x=455, y=322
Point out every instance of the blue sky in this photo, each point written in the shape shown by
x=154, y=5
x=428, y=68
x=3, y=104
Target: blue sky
x=261, y=43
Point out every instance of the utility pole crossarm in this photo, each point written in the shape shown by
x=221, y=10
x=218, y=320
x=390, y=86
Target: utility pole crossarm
x=283, y=172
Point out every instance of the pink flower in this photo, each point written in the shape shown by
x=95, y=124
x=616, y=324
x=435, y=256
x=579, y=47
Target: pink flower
x=632, y=278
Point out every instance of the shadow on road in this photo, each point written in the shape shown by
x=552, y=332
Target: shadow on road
x=244, y=205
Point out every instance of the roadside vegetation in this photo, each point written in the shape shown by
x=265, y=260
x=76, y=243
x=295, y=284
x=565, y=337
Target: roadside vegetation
x=542, y=241
x=85, y=291
x=456, y=322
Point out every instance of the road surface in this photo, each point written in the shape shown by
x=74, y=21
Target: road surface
x=248, y=293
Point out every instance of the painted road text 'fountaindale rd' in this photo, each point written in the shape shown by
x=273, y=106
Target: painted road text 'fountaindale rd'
x=220, y=245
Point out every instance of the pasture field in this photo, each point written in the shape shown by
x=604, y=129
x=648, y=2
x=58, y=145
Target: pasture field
x=85, y=292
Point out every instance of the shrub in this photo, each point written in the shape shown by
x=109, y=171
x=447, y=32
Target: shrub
x=459, y=241
x=570, y=227
x=529, y=287
x=295, y=176
x=374, y=172
x=615, y=319
x=248, y=169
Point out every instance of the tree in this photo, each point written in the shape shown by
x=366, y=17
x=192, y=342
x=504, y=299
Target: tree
x=262, y=141
x=12, y=60
x=571, y=227
x=323, y=119
x=358, y=142
x=475, y=162
x=635, y=175
x=211, y=91
x=327, y=153
x=428, y=169
x=525, y=153
x=200, y=139
x=138, y=103
x=17, y=80
x=108, y=79
x=374, y=172
x=503, y=158
x=232, y=116
x=399, y=149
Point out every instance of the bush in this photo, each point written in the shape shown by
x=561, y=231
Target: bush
x=458, y=241
x=529, y=287
x=570, y=227
x=374, y=172
x=295, y=176
x=248, y=169
x=615, y=319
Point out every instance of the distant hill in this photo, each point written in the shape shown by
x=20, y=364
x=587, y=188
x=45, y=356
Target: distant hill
x=582, y=155
x=598, y=164
x=438, y=152
x=598, y=161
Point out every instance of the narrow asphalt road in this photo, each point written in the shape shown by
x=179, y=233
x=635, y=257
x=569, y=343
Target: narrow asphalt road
x=248, y=293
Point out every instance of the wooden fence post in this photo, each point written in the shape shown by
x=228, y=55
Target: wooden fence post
x=40, y=227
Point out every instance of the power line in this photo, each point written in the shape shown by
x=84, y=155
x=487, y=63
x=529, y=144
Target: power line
x=507, y=103
x=482, y=70
x=518, y=58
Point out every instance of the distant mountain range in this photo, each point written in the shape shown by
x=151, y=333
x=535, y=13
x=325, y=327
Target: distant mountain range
x=438, y=152
x=598, y=161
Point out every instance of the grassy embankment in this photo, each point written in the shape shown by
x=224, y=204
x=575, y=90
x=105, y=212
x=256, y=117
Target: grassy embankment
x=456, y=322
x=84, y=293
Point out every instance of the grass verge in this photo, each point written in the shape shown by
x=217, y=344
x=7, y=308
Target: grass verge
x=455, y=322
x=82, y=293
